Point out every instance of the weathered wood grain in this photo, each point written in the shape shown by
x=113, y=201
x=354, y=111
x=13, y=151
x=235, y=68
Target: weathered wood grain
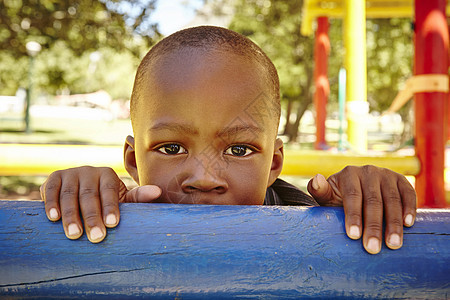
x=213, y=252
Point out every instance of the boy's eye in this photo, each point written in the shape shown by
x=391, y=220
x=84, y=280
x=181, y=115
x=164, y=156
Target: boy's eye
x=239, y=150
x=172, y=149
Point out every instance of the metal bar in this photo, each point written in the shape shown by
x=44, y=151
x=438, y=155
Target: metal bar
x=36, y=159
x=356, y=65
x=31, y=160
x=309, y=163
x=321, y=50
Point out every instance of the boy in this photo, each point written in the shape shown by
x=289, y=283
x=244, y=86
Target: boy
x=205, y=110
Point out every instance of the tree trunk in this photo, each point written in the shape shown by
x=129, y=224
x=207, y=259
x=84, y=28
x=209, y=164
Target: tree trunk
x=305, y=102
x=288, y=116
x=407, y=135
x=302, y=107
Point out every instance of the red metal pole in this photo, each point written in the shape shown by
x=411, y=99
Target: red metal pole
x=431, y=57
x=448, y=95
x=321, y=50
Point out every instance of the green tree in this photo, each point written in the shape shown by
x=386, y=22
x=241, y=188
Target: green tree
x=82, y=24
x=275, y=27
x=389, y=59
x=390, y=51
x=69, y=31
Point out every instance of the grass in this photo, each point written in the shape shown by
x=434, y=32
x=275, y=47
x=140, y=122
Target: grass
x=65, y=131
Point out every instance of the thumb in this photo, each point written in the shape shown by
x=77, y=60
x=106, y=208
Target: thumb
x=143, y=194
x=320, y=189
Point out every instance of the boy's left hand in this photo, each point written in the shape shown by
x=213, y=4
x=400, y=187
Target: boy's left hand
x=368, y=193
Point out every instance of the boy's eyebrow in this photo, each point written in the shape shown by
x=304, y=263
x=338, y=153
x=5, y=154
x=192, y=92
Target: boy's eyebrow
x=188, y=129
x=181, y=128
x=233, y=130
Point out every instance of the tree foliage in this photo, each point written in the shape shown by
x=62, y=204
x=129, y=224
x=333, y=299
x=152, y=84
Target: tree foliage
x=83, y=24
x=114, y=71
x=390, y=52
x=275, y=26
x=69, y=32
x=138, y=15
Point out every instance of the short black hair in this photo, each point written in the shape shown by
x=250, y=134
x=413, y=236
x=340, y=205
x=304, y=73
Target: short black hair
x=214, y=38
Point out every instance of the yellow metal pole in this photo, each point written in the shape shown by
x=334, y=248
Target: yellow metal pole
x=32, y=160
x=355, y=62
x=309, y=163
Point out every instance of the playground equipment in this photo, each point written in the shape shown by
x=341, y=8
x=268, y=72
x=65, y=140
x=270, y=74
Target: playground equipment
x=43, y=159
x=431, y=62
x=215, y=252
x=23, y=159
x=321, y=50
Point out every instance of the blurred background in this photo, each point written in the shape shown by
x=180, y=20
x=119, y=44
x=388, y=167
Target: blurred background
x=73, y=62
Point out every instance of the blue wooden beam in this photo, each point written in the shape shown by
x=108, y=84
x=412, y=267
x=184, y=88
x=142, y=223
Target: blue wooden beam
x=213, y=252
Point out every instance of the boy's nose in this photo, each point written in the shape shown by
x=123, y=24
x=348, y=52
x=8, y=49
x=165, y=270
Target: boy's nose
x=203, y=179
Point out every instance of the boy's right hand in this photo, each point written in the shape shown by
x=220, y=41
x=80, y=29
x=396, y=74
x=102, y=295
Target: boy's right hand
x=94, y=193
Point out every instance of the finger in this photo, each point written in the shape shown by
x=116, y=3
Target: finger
x=373, y=210
x=321, y=190
x=143, y=194
x=70, y=210
x=392, y=203
x=408, y=195
x=350, y=189
x=110, y=186
x=50, y=191
x=90, y=206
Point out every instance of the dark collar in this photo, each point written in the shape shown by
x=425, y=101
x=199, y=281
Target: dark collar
x=283, y=193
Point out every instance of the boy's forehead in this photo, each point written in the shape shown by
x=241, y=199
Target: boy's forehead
x=188, y=62
x=223, y=80
x=187, y=70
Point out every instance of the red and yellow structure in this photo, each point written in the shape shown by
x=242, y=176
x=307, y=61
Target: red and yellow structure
x=430, y=69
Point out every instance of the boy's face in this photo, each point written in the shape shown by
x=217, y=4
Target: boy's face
x=205, y=130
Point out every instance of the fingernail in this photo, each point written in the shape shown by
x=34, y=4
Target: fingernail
x=315, y=183
x=53, y=214
x=73, y=229
x=321, y=181
x=354, y=232
x=373, y=245
x=394, y=240
x=111, y=219
x=409, y=221
x=96, y=233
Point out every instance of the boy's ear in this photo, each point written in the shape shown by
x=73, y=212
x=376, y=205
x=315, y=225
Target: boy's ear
x=130, y=158
x=277, y=162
